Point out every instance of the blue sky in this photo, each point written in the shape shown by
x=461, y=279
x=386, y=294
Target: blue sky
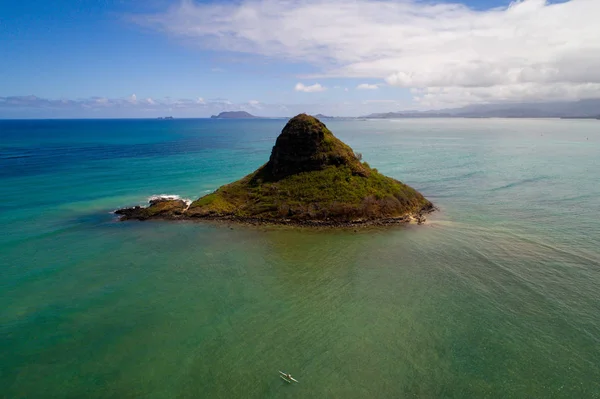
x=189, y=58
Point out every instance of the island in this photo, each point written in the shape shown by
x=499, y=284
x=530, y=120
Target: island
x=233, y=115
x=311, y=179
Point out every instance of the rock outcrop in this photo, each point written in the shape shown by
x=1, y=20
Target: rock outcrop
x=158, y=208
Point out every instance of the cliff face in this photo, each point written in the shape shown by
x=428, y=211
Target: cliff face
x=311, y=178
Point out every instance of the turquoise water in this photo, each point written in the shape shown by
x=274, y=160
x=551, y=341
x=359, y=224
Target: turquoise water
x=496, y=296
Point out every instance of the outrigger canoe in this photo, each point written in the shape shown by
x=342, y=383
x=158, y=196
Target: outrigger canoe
x=285, y=377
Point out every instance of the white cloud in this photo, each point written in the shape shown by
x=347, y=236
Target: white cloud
x=222, y=101
x=540, y=47
x=200, y=100
x=100, y=101
x=255, y=105
x=439, y=97
x=150, y=101
x=366, y=86
x=309, y=89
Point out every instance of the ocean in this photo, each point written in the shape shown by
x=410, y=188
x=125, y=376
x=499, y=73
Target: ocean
x=496, y=296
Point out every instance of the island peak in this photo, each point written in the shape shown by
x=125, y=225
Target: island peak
x=305, y=144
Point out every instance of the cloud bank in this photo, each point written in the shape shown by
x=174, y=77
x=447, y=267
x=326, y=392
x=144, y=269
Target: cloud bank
x=366, y=86
x=134, y=107
x=128, y=106
x=446, y=52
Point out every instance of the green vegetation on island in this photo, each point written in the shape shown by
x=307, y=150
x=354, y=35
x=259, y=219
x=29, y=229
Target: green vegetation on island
x=312, y=177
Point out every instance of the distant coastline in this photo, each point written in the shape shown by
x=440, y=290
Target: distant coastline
x=580, y=117
x=583, y=109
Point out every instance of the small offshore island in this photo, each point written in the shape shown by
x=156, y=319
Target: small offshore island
x=311, y=179
x=233, y=115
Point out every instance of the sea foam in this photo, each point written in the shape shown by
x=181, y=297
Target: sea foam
x=170, y=197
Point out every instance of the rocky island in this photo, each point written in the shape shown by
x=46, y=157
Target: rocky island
x=321, y=116
x=233, y=115
x=311, y=179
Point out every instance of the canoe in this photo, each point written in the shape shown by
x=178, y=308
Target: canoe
x=285, y=377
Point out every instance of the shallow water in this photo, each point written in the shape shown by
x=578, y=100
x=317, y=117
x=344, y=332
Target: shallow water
x=497, y=296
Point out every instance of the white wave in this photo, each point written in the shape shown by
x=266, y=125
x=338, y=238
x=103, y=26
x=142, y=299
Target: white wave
x=164, y=197
x=170, y=197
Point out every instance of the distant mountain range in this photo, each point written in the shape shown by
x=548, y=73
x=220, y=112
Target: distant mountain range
x=582, y=109
x=572, y=109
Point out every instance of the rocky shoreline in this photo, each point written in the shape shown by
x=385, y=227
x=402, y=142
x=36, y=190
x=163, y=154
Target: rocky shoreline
x=168, y=209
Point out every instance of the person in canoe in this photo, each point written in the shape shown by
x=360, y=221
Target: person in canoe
x=287, y=376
